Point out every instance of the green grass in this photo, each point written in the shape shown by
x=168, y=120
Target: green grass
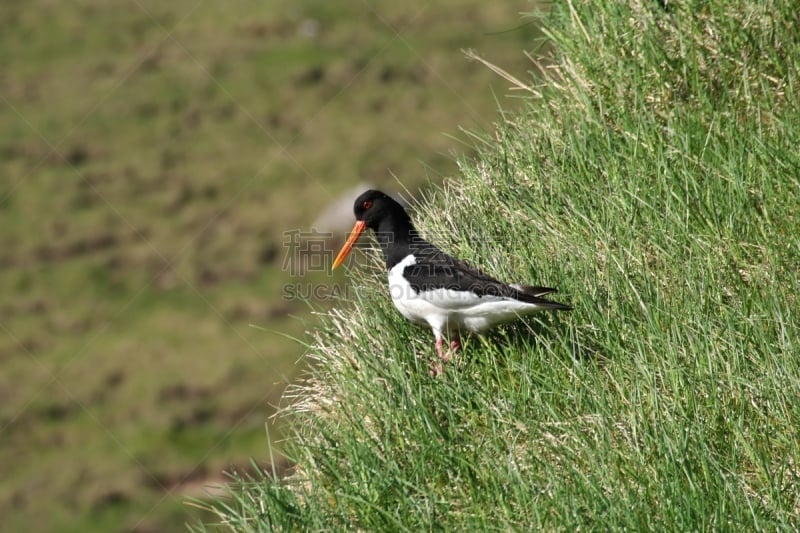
x=655, y=183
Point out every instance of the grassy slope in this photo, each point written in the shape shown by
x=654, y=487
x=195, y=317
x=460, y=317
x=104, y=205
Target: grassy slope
x=151, y=155
x=656, y=185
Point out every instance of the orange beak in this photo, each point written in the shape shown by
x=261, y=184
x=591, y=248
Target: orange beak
x=358, y=229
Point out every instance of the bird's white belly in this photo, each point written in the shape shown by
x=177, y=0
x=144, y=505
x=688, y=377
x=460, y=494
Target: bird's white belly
x=451, y=310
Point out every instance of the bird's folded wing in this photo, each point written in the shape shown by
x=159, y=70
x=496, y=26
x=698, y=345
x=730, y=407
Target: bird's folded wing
x=451, y=283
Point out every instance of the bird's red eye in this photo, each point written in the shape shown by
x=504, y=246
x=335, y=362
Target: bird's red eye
x=367, y=204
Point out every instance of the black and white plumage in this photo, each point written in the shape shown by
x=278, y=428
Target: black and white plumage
x=430, y=287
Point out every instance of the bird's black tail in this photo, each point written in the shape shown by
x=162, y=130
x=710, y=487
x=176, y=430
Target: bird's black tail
x=532, y=290
x=533, y=295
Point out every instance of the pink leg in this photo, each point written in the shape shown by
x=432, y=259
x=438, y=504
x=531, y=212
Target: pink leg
x=444, y=354
x=436, y=368
x=440, y=348
x=455, y=343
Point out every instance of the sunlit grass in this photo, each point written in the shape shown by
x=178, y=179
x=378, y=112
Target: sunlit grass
x=656, y=186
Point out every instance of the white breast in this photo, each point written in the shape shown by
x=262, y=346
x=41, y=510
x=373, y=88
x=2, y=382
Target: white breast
x=403, y=296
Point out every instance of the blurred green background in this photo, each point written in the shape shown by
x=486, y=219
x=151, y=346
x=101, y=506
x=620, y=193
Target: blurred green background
x=152, y=155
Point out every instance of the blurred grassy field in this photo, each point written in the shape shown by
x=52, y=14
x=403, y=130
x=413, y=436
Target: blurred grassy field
x=152, y=155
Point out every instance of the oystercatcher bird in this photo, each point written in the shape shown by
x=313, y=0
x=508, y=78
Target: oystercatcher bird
x=432, y=288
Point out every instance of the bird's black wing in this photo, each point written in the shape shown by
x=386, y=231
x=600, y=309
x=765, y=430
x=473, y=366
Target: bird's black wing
x=435, y=269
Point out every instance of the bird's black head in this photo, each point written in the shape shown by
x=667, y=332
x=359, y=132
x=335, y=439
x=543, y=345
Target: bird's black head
x=384, y=215
x=375, y=206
